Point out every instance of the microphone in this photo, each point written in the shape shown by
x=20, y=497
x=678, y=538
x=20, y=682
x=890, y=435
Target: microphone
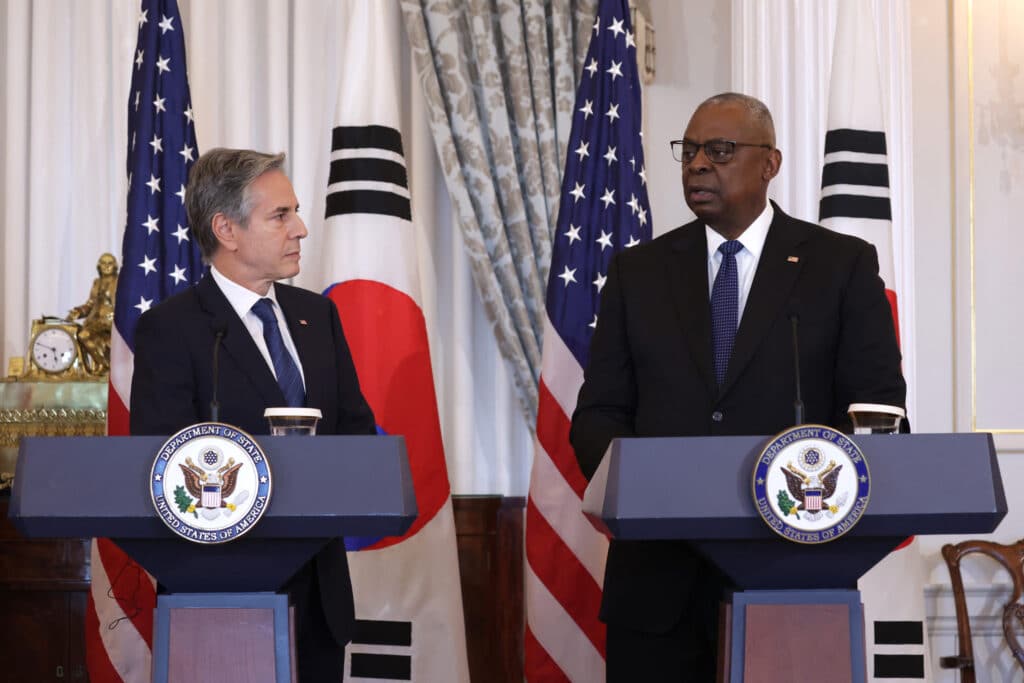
x=220, y=330
x=798, y=403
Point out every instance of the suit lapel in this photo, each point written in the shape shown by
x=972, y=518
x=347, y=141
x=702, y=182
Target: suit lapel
x=238, y=343
x=688, y=285
x=770, y=291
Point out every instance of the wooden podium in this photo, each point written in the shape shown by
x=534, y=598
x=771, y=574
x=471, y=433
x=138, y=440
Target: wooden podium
x=219, y=618
x=647, y=489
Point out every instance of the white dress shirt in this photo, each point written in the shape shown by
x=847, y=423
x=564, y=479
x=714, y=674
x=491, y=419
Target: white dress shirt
x=242, y=300
x=752, y=240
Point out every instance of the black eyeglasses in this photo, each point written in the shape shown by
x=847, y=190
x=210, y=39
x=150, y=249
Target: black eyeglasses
x=718, y=151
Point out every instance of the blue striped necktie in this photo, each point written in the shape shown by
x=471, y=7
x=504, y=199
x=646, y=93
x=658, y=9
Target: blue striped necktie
x=288, y=376
x=725, y=308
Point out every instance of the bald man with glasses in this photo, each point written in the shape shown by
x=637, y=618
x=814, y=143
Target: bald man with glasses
x=694, y=338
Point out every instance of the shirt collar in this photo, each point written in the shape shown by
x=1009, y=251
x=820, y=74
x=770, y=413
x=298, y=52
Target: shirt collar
x=240, y=298
x=752, y=239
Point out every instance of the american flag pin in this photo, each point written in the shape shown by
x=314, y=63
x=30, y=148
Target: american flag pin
x=793, y=259
x=302, y=322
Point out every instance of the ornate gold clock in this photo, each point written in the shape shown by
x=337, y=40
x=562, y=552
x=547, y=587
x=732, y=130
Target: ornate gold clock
x=54, y=354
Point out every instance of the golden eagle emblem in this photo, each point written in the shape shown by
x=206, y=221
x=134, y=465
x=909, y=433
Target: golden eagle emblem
x=211, y=487
x=810, y=490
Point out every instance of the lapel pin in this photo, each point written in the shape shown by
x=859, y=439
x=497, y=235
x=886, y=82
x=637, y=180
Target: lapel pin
x=302, y=322
x=793, y=259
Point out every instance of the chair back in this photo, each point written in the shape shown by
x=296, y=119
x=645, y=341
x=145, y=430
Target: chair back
x=1011, y=557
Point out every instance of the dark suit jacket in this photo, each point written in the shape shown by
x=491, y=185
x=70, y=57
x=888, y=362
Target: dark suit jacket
x=172, y=387
x=651, y=373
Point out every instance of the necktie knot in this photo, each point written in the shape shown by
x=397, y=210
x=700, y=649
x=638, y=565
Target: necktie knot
x=264, y=310
x=730, y=247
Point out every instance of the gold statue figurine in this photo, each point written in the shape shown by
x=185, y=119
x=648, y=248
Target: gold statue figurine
x=97, y=316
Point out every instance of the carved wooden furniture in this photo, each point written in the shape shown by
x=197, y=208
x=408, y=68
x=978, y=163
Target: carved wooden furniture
x=1011, y=557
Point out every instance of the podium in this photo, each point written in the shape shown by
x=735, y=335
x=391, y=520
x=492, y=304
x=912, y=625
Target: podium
x=699, y=489
x=324, y=487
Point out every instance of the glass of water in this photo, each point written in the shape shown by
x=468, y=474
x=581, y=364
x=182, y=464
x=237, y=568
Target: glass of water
x=875, y=418
x=292, y=421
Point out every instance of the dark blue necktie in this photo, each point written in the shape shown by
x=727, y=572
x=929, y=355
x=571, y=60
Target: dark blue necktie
x=725, y=308
x=288, y=376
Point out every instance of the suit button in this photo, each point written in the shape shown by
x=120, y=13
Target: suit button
x=717, y=416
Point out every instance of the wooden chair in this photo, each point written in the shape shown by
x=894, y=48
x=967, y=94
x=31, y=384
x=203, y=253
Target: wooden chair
x=1012, y=558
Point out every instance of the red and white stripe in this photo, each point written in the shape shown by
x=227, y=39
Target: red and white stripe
x=565, y=554
x=122, y=596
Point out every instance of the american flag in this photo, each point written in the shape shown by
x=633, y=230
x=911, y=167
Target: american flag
x=603, y=209
x=159, y=258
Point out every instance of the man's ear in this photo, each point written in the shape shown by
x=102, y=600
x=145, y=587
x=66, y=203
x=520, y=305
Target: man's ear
x=772, y=164
x=225, y=229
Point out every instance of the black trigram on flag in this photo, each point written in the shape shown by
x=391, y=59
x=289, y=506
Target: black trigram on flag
x=367, y=172
x=855, y=177
x=898, y=650
x=381, y=650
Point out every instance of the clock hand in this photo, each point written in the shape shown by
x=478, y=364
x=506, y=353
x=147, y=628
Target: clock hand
x=52, y=349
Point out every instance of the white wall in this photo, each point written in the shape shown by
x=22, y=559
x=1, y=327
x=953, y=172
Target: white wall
x=693, y=63
x=970, y=194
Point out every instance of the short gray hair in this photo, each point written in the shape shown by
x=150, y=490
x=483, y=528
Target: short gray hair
x=757, y=109
x=219, y=183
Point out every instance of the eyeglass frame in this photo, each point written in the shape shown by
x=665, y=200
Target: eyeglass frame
x=703, y=146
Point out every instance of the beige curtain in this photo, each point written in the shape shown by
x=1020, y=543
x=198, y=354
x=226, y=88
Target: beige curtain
x=500, y=80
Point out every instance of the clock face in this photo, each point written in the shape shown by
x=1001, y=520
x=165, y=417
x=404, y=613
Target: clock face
x=53, y=350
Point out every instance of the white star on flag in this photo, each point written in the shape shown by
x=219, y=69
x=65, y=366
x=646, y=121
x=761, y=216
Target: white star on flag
x=577, y=192
x=178, y=274
x=612, y=113
x=634, y=204
x=608, y=197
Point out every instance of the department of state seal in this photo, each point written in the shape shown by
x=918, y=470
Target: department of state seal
x=811, y=484
x=210, y=483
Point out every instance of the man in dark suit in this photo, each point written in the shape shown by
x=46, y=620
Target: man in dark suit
x=244, y=216
x=662, y=363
